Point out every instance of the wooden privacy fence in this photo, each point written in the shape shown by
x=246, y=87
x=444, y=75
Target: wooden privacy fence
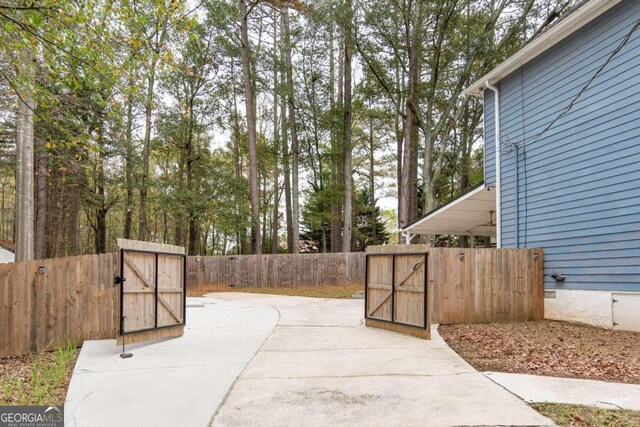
x=475, y=285
x=288, y=271
x=486, y=285
x=45, y=301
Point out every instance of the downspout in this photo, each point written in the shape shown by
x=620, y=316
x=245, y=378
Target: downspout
x=407, y=238
x=497, y=151
x=517, y=195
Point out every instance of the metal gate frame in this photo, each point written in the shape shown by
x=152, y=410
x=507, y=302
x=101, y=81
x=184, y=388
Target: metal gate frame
x=121, y=279
x=393, y=256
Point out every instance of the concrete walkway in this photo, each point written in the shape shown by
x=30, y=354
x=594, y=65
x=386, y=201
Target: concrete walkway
x=540, y=389
x=321, y=366
x=175, y=382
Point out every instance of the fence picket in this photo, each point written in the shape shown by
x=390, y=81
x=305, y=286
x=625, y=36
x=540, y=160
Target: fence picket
x=67, y=300
x=219, y=273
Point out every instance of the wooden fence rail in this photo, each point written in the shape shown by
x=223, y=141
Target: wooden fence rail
x=45, y=301
x=218, y=273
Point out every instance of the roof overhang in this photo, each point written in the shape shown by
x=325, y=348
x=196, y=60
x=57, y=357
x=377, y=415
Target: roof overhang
x=545, y=41
x=472, y=214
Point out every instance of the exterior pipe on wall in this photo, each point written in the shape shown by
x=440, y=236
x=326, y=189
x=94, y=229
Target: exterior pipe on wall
x=407, y=238
x=517, y=195
x=497, y=151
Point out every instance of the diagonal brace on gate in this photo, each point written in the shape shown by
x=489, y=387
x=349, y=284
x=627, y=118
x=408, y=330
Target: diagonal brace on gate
x=163, y=301
x=402, y=282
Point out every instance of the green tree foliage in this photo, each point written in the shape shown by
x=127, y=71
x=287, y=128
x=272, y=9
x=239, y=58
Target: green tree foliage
x=369, y=228
x=140, y=124
x=368, y=224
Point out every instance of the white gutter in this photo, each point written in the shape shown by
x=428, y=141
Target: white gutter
x=496, y=118
x=545, y=41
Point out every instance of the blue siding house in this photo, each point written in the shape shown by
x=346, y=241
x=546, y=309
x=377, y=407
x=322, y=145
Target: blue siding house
x=564, y=113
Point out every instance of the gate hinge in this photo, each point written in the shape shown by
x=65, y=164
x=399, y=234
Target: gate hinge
x=119, y=280
x=615, y=323
x=615, y=300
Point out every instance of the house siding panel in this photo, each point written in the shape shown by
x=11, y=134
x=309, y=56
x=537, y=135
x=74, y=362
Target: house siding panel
x=575, y=190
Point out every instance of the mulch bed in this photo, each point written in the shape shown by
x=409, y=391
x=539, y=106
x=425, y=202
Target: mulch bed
x=551, y=348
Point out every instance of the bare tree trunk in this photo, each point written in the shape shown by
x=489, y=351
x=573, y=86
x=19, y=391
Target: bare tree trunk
x=347, y=148
x=295, y=153
x=240, y=233
x=41, y=201
x=275, y=214
x=57, y=214
x=41, y=154
x=408, y=208
x=319, y=176
x=178, y=218
x=336, y=199
x=157, y=43
x=76, y=186
x=249, y=95
x=276, y=143
x=266, y=226
x=101, y=209
x=339, y=156
x=3, y=230
x=286, y=168
x=399, y=133
x=193, y=229
x=128, y=164
x=372, y=188
x=24, y=175
x=177, y=235
x=146, y=148
x=428, y=194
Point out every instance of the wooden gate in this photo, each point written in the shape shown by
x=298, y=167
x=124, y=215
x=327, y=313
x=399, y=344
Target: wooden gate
x=152, y=291
x=396, y=292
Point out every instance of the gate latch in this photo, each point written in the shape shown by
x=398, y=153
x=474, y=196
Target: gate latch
x=119, y=280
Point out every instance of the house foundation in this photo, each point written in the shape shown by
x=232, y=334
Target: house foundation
x=606, y=309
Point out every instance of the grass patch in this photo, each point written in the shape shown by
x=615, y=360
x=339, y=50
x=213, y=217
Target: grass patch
x=587, y=416
x=37, y=379
x=342, y=291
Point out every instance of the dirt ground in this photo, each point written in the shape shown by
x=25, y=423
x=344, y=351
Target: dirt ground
x=342, y=291
x=552, y=348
